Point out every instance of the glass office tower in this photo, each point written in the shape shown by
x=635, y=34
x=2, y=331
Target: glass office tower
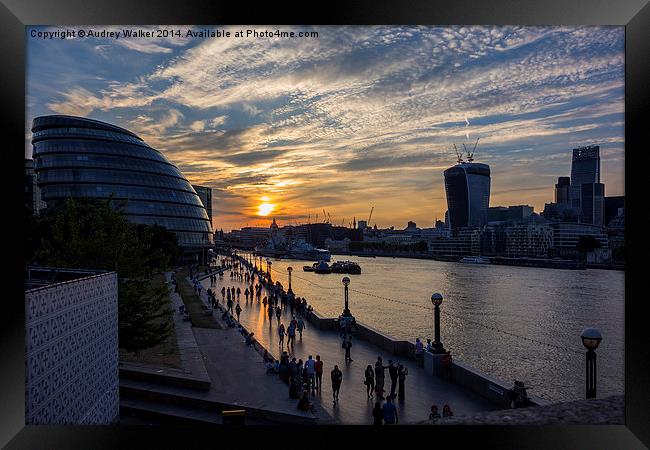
x=585, y=169
x=467, y=186
x=78, y=157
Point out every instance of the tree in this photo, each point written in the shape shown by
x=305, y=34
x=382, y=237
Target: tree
x=587, y=244
x=92, y=234
x=143, y=317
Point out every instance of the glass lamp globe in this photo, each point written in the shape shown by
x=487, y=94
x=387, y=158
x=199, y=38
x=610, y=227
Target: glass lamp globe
x=436, y=299
x=591, y=338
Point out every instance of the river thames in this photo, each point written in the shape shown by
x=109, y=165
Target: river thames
x=510, y=322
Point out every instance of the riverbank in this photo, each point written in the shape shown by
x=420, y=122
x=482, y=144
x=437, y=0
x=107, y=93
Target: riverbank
x=546, y=263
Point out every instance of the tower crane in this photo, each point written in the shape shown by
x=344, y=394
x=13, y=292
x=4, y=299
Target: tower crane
x=470, y=156
x=370, y=216
x=459, y=155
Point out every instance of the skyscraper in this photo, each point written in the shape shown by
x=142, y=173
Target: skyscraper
x=562, y=190
x=585, y=169
x=592, y=203
x=467, y=186
x=205, y=194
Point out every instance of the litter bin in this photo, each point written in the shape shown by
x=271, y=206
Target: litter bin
x=233, y=417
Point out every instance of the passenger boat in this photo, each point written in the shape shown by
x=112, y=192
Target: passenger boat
x=346, y=267
x=308, y=268
x=475, y=260
x=322, y=267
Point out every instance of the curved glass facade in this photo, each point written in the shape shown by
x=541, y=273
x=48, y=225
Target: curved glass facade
x=78, y=157
x=467, y=186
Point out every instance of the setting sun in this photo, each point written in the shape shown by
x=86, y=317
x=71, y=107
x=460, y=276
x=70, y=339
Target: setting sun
x=265, y=209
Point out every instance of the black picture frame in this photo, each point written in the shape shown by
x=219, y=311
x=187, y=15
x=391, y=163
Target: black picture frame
x=633, y=14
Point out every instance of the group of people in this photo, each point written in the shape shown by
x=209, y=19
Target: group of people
x=290, y=332
x=374, y=379
x=446, y=412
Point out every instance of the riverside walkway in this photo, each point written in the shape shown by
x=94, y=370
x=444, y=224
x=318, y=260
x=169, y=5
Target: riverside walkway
x=236, y=374
x=421, y=390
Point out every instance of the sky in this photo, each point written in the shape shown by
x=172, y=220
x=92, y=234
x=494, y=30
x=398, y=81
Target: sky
x=355, y=118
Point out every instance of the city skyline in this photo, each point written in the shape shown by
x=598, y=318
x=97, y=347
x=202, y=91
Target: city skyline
x=356, y=118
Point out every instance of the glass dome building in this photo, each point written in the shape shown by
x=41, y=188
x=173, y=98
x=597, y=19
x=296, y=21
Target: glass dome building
x=79, y=157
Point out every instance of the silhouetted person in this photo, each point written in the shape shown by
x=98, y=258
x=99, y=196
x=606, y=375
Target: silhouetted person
x=347, y=344
x=319, y=372
x=392, y=371
x=370, y=382
x=377, y=414
x=337, y=377
x=401, y=376
x=390, y=412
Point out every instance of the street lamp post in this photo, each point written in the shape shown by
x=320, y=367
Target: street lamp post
x=591, y=338
x=289, y=269
x=346, y=309
x=436, y=299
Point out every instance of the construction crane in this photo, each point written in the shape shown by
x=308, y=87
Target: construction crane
x=370, y=216
x=470, y=155
x=459, y=155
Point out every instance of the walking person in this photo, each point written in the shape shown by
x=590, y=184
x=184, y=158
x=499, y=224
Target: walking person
x=419, y=352
x=229, y=305
x=392, y=371
x=401, y=376
x=246, y=294
x=293, y=370
x=318, y=367
x=270, y=312
x=347, y=344
x=301, y=326
x=223, y=294
x=238, y=311
x=390, y=412
x=281, y=335
x=310, y=365
x=370, y=381
x=291, y=335
x=378, y=414
x=278, y=313
x=379, y=377
x=337, y=377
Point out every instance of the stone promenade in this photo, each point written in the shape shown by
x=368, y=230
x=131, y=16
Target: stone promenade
x=421, y=391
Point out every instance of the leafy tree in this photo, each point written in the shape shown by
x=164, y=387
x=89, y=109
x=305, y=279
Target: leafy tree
x=143, y=318
x=91, y=234
x=587, y=244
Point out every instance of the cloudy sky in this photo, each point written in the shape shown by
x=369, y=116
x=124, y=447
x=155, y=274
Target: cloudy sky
x=354, y=118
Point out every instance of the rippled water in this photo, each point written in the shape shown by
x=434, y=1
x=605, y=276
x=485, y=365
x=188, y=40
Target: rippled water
x=482, y=303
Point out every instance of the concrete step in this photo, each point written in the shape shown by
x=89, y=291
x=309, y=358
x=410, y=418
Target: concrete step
x=161, y=413
x=171, y=376
x=182, y=397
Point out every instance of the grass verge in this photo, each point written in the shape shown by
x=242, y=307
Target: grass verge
x=193, y=304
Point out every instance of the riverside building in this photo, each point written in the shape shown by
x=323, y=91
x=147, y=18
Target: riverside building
x=75, y=157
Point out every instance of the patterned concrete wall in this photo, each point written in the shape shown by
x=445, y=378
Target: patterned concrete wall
x=71, y=355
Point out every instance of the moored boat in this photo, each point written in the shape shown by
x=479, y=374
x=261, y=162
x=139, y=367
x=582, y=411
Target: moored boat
x=346, y=267
x=322, y=267
x=475, y=260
